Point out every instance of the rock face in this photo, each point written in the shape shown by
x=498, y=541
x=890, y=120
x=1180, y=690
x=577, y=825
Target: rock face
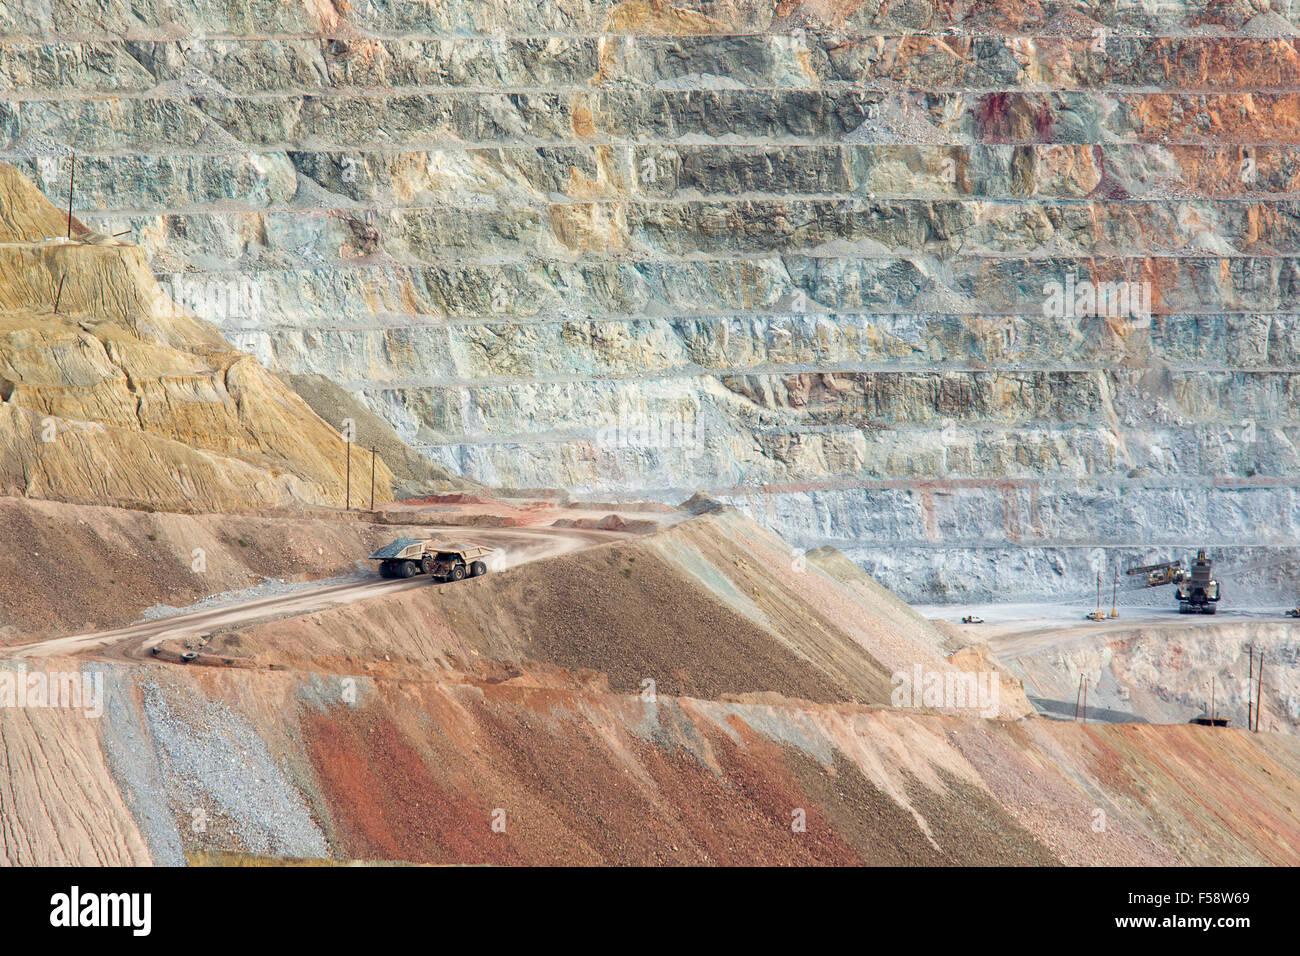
x=110, y=394
x=1154, y=672
x=835, y=262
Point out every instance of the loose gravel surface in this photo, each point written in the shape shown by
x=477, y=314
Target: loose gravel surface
x=221, y=779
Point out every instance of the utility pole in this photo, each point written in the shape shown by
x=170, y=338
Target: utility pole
x=1250, y=683
x=347, y=454
x=372, y=477
x=72, y=180
x=1114, y=596
x=1259, y=693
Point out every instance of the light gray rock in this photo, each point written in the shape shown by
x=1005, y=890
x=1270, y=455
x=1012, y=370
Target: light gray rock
x=804, y=265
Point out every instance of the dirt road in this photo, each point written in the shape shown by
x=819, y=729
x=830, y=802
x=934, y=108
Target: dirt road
x=1013, y=629
x=513, y=547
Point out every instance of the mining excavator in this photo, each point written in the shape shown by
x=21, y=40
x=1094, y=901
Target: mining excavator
x=1198, y=592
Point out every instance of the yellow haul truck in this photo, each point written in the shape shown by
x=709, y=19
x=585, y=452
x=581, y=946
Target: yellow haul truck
x=407, y=557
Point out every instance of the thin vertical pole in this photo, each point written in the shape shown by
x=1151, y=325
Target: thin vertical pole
x=1077, y=694
x=1259, y=693
x=1250, y=683
x=1085, y=700
x=347, y=453
x=1212, y=677
x=372, y=477
x=72, y=181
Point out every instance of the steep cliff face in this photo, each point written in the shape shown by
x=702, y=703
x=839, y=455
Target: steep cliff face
x=110, y=394
x=826, y=259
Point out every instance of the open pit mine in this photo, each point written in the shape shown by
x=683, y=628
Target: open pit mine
x=715, y=432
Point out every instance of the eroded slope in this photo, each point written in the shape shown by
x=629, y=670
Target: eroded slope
x=111, y=394
x=687, y=696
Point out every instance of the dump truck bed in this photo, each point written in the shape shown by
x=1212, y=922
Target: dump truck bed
x=471, y=553
x=402, y=548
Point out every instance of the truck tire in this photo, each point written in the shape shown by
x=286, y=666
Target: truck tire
x=385, y=569
x=458, y=573
x=1184, y=607
x=1211, y=608
x=406, y=569
x=426, y=564
x=477, y=569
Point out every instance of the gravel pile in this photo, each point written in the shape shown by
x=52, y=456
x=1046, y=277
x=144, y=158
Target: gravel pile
x=215, y=765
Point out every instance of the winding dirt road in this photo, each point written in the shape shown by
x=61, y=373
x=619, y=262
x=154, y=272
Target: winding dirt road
x=513, y=546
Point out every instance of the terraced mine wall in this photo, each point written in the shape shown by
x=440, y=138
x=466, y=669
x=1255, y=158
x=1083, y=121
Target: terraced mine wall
x=821, y=259
x=110, y=393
